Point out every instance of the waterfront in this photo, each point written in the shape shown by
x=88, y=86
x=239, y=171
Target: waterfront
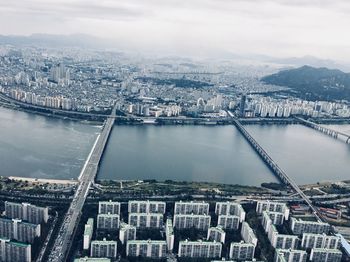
x=42, y=147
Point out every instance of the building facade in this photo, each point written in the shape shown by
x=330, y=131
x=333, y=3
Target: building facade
x=11, y=251
x=169, y=234
x=183, y=221
x=108, y=221
x=103, y=248
x=290, y=255
x=242, y=251
x=230, y=208
x=146, y=220
x=216, y=234
x=192, y=207
x=199, y=249
x=266, y=205
x=147, y=206
x=299, y=227
x=310, y=240
x=109, y=207
x=146, y=248
x=127, y=232
x=88, y=231
x=18, y=230
x=248, y=234
x=27, y=212
x=229, y=221
x=325, y=255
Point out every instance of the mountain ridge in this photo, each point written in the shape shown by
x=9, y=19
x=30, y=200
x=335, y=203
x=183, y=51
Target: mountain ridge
x=313, y=83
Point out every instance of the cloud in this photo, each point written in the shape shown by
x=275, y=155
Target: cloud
x=272, y=27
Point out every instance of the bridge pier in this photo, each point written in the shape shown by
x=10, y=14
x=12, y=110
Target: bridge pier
x=328, y=131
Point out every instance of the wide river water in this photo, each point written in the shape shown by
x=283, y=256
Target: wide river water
x=43, y=147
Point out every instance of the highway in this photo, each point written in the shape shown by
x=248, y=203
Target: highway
x=66, y=234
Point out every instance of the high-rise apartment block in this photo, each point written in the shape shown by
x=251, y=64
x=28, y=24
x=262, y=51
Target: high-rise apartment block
x=169, y=234
x=216, y=234
x=183, y=221
x=230, y=208
x=146, y=206
x=88, y=231
x=127, y=232
x=193, y=207
x=108, y=221
x=146, y=220
x=241, y=251
x=229, y=221
x=108, y=207
x=282, y=241
x=290, y=255
x=299, y=226
x=18, y=230
x=27, y=212
x=248, y=234
x=199, y=249
x=266, y=205
x=103, y=248
x=310, y=240
x=11, y=251
x=325, y=255
x=146, y=248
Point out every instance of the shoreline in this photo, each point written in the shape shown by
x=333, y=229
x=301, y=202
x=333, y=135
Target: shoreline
x=75, y=181
x=44, y=180
x=88, y=118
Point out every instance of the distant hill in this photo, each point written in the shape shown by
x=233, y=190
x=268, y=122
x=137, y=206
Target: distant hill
x=48, y=40
x=313, y=83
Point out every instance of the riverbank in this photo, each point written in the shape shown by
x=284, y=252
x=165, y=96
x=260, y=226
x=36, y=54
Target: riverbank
x=94, y=118
x=29, y=111
x=44, y=180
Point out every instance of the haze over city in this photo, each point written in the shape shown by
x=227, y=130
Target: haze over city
x=277, y=28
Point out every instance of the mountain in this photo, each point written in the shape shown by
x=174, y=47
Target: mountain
x=313, y=83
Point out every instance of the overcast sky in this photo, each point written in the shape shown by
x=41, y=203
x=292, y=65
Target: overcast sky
x=272, y=27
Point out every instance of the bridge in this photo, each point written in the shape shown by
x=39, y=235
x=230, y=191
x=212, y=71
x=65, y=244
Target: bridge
x=281, y=175
x=325, y=130
x=87, y=176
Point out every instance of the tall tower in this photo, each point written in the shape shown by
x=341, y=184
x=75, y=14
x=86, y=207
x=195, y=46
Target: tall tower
x=242, y=105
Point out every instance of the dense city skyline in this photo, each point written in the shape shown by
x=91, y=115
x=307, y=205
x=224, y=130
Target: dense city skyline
x=271, y=27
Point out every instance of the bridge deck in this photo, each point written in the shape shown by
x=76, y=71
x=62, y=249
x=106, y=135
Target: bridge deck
x=273, y=165
x=324, y=129
x=87, y=177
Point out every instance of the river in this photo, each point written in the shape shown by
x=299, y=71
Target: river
x=43, y=147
